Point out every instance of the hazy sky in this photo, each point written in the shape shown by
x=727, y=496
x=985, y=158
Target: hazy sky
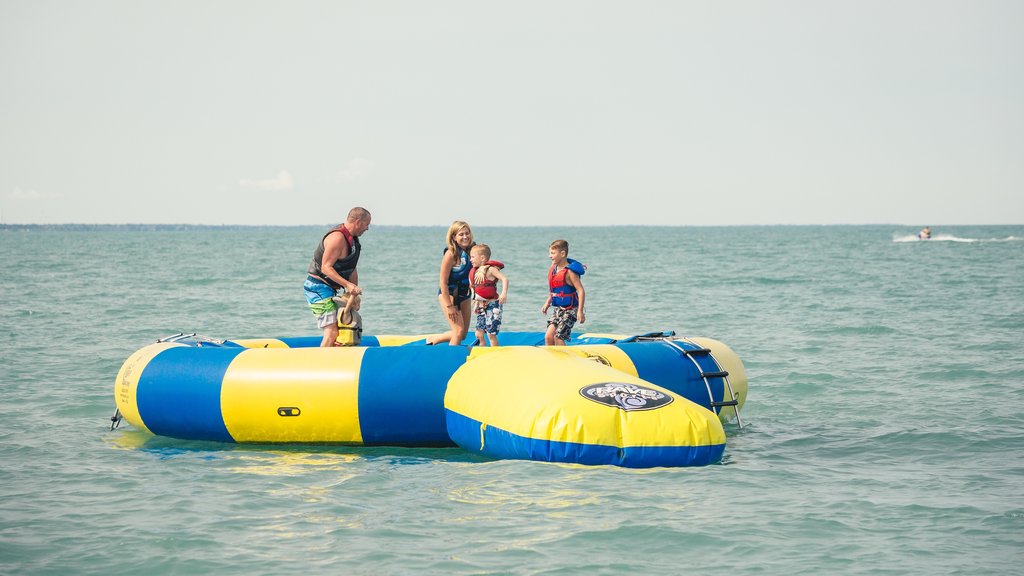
x=516, y=113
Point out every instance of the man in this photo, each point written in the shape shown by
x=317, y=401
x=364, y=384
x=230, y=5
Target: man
x=334, y=268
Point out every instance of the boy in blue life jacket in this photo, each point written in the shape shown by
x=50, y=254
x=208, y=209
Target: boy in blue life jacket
x=565, y=293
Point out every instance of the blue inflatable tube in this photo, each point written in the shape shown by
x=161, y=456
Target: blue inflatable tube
x=394, y=390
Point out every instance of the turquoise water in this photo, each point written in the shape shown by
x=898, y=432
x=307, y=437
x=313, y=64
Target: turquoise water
x=884, y=429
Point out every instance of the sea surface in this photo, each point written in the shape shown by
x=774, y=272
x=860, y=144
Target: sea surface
x=884, y=431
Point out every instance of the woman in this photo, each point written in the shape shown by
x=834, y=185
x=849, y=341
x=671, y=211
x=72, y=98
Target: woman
x=454, y=292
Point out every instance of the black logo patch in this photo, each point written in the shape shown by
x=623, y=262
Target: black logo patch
x=288, y=411
x=628, y=397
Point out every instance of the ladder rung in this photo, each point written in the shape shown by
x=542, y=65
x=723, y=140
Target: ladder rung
x=650, y=336
x=721, y=374
x=697, y=352
x=725, y=403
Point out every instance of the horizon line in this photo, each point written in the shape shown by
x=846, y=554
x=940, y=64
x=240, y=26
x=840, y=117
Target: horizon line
x=187, y=225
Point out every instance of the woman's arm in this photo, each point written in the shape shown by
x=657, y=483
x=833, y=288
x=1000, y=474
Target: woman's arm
x=446, y=268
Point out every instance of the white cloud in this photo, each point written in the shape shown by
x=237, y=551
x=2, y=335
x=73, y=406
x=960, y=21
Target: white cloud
x=31, y=195
x=283, y=181
x=357, y=168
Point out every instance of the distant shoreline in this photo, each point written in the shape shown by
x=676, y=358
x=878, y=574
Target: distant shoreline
x=191, y=227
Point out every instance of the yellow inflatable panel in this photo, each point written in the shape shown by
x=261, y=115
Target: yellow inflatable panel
x=397, y=340
x=261, y=343
x=293, y=395
x=544, y=404
x=127, y=382
x=605, y=354
x=730, y=362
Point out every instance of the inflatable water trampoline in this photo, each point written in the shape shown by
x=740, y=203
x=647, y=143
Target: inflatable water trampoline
x=634, y=401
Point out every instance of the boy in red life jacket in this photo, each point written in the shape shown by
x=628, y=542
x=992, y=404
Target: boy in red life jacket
x=484, y=277
x=565, y=293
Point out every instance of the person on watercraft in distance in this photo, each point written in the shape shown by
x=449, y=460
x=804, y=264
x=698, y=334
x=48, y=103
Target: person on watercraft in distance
x=333, y=269
x=925, y=233
x=565, y=293
x=454, y=291
x=487, y=302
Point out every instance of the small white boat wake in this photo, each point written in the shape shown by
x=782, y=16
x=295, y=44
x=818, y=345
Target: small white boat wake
x=950, y=238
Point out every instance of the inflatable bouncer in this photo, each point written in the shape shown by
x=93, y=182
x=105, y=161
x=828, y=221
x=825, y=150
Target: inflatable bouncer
x=637, y=401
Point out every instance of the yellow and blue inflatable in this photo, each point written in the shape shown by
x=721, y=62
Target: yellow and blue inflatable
x=577, y=410
x=652, y=400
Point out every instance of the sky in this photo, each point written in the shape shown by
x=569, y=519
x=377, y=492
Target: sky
x=512, y=114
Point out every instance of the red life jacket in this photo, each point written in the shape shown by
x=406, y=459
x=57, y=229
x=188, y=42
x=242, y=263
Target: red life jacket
x=564, y=294
x=486, y=290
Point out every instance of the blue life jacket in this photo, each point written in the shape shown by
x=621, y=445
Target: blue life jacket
x=458, y=276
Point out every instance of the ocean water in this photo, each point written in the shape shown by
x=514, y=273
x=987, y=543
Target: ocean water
x=884, y=428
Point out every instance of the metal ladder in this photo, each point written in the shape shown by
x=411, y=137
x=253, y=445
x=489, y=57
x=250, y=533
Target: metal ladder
x=192, y=339
x=723, y=374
